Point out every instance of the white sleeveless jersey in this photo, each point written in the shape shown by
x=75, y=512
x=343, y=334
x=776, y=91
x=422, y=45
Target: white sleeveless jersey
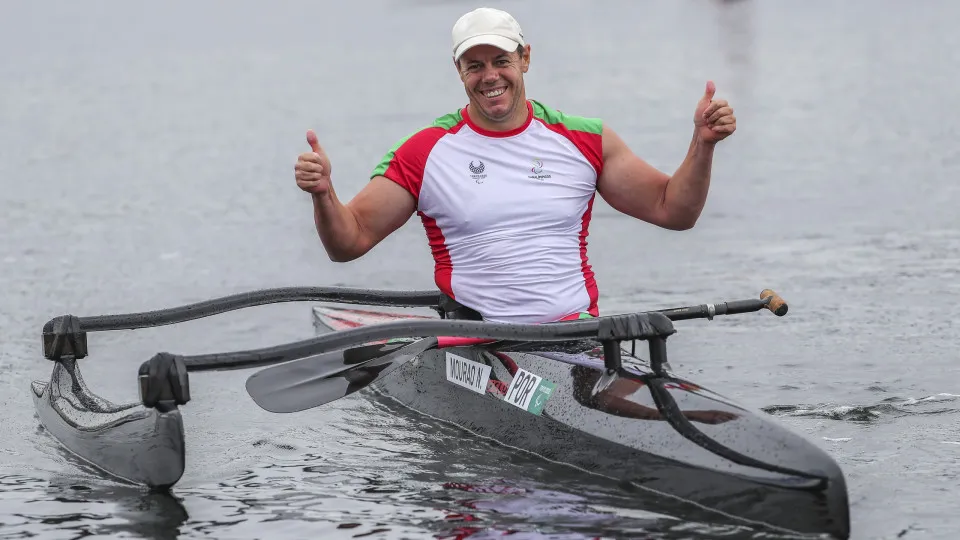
x=506, y=213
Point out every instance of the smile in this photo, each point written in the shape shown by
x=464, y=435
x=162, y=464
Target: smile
x=494, y=93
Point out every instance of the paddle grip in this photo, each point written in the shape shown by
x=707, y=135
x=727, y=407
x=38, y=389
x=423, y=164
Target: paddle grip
x=776, y=304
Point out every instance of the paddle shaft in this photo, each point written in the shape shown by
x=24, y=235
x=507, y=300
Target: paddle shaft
x=708, y=311
x=768, y=300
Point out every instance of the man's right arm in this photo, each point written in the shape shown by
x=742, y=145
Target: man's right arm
x=350, y=230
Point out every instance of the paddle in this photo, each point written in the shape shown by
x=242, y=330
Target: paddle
x=301, y=385
x=162, y=378
x=312, y=382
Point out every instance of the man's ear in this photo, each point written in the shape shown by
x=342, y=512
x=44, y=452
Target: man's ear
x=456, y=65
x=525, y=58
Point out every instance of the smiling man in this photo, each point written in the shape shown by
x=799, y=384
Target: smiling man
x=505, y=186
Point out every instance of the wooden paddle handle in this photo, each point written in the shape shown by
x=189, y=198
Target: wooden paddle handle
x=776, y=304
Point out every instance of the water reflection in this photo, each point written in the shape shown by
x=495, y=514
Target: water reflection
x=622, y=398
x=66, y=503
x=625, y=395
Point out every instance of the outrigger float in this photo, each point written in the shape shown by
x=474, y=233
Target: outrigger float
x=571, y=392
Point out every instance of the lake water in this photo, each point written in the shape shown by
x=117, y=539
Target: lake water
x=146, y=161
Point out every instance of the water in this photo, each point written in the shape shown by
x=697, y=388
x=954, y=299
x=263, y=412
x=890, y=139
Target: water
x=146, y=158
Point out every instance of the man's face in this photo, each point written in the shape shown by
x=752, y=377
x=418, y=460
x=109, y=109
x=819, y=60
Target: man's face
x=493, y=80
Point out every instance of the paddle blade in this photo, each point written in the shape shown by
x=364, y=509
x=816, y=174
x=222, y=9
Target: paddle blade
x=311, y=382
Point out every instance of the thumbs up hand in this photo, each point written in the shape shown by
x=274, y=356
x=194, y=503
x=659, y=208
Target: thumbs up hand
x=714, y=119
x=312, y=170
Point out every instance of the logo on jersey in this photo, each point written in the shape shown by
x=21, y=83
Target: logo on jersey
x=537, y=169
x=477, y=171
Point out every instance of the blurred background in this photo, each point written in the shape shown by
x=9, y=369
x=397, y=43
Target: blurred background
x=146, y=161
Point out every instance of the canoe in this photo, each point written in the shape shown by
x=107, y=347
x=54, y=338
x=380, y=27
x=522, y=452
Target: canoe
x=575, y=394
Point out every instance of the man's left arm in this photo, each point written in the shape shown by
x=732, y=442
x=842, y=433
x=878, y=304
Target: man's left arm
x=632, y=186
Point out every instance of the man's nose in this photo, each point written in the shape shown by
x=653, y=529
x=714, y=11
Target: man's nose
x=490, y=74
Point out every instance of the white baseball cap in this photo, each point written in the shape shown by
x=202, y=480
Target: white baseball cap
x=486, y=26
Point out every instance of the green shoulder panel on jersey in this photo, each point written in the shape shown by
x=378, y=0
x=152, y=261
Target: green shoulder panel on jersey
x=446, y=122
x=573, y=123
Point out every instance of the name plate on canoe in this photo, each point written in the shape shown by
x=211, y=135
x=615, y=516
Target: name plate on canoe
x=529, y=392
x=467, y=373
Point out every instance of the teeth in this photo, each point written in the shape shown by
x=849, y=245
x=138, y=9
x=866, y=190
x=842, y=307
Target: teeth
x=495, y=93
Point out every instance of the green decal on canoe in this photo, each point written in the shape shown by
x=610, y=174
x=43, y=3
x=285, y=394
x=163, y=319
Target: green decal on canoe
x=529, y=392
x=540, y=396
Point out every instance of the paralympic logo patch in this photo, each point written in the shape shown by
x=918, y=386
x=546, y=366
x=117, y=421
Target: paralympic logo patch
x=477, y=171
x=537, y=169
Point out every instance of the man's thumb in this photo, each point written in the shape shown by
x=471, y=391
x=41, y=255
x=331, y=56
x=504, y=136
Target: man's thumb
x=312, y=141
x=709, y=92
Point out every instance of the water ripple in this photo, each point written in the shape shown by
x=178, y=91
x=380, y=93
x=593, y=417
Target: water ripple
x=889, y=408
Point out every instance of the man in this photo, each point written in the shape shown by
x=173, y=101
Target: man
x=505, y=186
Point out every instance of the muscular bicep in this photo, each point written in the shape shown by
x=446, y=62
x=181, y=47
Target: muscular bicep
x=380, y=208
x=629, y=184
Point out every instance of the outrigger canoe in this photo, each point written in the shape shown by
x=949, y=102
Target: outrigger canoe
x=577, y=393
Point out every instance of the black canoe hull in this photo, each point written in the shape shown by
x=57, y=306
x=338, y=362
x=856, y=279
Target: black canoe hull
x=129, y=442
x=624, y=438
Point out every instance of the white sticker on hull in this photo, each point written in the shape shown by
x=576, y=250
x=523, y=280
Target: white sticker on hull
x=467, y=373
